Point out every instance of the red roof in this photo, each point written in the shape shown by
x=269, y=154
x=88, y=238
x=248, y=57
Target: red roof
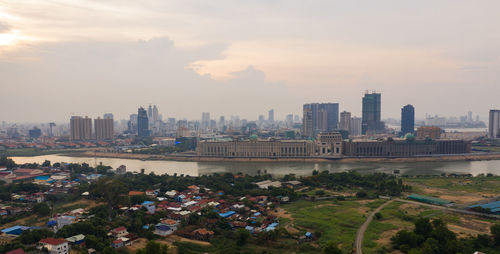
x=53, y=241
x=16, y=251
x=119, y=229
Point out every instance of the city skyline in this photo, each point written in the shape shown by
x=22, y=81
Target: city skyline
x=171, y=55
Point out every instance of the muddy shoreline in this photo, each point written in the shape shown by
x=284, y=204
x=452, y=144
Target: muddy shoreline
x=194, y=158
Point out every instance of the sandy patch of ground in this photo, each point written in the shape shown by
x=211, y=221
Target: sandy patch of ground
x=84, y=202
x=325, y=205
x=363, y=209
x=282, y=213
x=385, y=237
x=364, y=201
x=182, y=239
x=463, y=232
x=139, y=244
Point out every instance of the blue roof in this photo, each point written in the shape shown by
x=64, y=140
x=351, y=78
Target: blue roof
x=148, y=203
x=491, y=205
x=308, y=234
x=249, y=228
x=145, y=227
x=163, y=227
x=256, y=214
x=51, y=223
x=11, y=229
x=42, y=178
x=228, y=214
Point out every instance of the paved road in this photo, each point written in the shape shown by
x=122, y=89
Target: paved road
x=358, y=243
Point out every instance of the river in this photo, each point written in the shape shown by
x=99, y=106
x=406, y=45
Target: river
x=276, y=168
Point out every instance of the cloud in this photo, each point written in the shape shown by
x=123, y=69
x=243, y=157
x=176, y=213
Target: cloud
x=4, y=27
x=53, y=80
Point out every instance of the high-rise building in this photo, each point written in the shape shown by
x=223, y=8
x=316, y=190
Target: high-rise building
x=345, y=120
x=494, y=124
x=150, y=112
x=81, y=128
x=319, y=117
x=371, y=122
x=289, y=120
x=142, y=123
x=108, y=116
x=104, y=128
x=155, y=114
x=355, y=126
x=270, y=117
x=407, y=119
x=205, y=120
x=222, y=122
x=35, y=132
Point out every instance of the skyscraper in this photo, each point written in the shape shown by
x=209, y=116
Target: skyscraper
x=205, y=120
x=345, y=120
x=155, y=114
x=407, y=119
x=104, y=129
x=371, y=123
x=319, y=117
x=355, y=127
x=142, y=123
x=81, y=128
x=270, y=117
x=108, y=116
x=150, y=112
x=494, y=124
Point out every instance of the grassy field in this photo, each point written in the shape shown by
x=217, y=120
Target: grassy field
x=471, y=184
x=338, y=221
x=398, y=216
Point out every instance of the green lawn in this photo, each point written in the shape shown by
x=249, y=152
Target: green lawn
x=338, y=221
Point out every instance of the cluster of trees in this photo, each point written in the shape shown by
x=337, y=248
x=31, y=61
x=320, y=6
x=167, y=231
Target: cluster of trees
x=433, y=237
x=379, y=183
x=7, y=162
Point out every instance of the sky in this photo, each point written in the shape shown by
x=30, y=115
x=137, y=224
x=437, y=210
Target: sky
x=228, y=57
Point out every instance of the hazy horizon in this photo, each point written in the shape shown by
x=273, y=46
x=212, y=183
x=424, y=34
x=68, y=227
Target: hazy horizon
x=67, y=57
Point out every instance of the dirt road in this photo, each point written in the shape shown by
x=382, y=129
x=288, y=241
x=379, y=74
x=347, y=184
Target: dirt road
x=361, y=231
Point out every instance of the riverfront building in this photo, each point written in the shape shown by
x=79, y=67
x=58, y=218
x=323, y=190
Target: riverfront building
x=494, y=124
x=404, y=148
x=329, y=145
x=371, y=123
x=254, y=148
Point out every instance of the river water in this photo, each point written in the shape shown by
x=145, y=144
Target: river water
x=276, y=168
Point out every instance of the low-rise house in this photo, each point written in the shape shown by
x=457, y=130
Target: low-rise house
x=76, y=239
x=16, y=251
x=135, y=193
x=150, y=206
x=202, y=234
x=118, y=243
x=119, y=232
x=54, y=245
x=163, y=230
x=15, y=230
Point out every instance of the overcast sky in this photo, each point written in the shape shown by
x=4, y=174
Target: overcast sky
x=90, y=57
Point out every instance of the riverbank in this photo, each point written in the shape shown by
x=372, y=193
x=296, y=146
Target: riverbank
x=194, y=158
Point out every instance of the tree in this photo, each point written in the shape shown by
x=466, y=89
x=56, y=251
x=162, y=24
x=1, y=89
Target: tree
x=331, y=248
x=42, y=209
x=242, y=236
x=46, y=163
x=495, y=231
x=423, y=227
